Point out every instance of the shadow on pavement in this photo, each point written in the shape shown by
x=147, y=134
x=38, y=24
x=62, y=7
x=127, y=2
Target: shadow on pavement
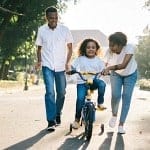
x=25, y=144
x=106, y=145
x=107, y=142
x=75, y=143
x=119, y=145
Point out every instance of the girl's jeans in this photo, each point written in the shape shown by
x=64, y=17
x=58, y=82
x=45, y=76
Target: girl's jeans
x=82, y=92
x=122, y=86
x=54, y=104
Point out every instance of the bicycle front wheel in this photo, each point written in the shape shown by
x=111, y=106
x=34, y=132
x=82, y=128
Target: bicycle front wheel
x=89, y=122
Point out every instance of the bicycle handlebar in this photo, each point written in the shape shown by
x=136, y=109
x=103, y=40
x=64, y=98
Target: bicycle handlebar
x=84, y=73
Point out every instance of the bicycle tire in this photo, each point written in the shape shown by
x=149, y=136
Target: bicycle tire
x=89, y=121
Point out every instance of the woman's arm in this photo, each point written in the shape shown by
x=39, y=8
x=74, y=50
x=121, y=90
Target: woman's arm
x=123, y=65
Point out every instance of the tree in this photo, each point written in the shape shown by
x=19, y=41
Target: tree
x=19, y=20
x=15, y=29
x=143, y=47
x=147, y=4
x=143, y=55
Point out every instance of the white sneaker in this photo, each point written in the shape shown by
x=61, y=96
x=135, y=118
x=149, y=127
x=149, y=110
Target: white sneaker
x=75, y=125
x=112, y=121
x=121, y=130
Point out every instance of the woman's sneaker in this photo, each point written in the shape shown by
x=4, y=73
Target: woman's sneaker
x=112, y=121
x=121, y=130
x=75, y=124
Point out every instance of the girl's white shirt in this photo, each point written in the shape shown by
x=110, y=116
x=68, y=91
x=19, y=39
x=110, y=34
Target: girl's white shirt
x=85, y=64
x=115, y=59
x=54, y=46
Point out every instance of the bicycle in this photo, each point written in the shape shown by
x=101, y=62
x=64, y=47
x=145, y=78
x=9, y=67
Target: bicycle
x=88, y=110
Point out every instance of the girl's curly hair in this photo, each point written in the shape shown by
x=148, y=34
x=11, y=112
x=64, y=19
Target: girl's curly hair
x=82, y=47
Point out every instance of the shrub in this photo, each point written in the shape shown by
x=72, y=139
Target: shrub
x=144, y=84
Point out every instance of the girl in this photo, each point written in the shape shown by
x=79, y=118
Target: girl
x=88, y=61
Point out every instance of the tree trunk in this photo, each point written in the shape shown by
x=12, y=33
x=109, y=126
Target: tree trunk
x=4, y=70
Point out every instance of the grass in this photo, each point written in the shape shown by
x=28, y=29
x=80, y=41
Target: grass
x=10, y=84
x=144, y=84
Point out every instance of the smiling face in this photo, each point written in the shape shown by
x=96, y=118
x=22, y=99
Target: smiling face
x=52, y=18
x=115, y=48
x=91, y=49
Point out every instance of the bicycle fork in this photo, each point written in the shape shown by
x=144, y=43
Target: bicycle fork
x=88, y=112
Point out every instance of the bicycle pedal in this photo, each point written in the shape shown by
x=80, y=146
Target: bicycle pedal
x=100, y=109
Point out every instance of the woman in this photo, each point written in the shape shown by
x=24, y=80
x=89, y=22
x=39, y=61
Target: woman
x=121, y=62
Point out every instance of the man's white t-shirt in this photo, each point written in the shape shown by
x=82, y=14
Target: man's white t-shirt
x=54, y=45
x=115, y=59
x=85, y=64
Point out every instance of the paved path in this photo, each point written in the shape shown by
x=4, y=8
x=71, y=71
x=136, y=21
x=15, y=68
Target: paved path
x=22, y=123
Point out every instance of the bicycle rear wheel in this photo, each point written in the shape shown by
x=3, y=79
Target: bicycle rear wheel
x=89, y=118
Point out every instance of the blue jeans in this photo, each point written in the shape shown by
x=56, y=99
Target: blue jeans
x=54, y=104
x=122, y=86
x=82, y=92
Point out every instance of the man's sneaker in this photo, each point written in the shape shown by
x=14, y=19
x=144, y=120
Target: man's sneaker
x=121, y=130
x=75, y=124
x=101, y=107
x=58, y=120
x=51, y=126
x=112, y=121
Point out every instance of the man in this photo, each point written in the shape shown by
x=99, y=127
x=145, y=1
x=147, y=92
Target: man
x=52, y=41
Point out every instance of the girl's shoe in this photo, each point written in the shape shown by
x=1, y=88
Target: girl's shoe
x=76, y=124
x=101, y=107
x=121, y=130
x=112, y=121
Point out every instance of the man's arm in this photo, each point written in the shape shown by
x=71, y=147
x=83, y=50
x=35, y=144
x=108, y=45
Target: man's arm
x=38, y=65
x=69, y=54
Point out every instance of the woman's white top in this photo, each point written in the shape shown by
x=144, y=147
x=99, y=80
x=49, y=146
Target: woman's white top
x=85, y=64
x=116, y=59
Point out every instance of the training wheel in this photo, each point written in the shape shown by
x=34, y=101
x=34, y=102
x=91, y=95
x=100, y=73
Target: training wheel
x=70, y=127
x=102, y=128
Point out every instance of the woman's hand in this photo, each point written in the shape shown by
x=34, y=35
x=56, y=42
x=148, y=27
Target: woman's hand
x=106, y=72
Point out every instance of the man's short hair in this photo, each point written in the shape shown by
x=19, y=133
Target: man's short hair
x=50, y=9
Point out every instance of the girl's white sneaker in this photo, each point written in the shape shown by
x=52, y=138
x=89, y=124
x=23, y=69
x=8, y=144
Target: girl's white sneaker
x=121, y=130
x=76, y=124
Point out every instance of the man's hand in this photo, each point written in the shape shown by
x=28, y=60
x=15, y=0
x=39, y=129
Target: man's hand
x=67, y=67
x=38, y=66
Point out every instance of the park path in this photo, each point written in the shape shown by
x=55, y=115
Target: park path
x=22, y=123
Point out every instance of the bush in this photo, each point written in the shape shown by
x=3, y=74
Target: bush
x=144, y=84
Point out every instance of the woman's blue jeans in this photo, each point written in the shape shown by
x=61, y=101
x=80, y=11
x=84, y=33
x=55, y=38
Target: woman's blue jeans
x=82, y=92
x=55, y=85
x=122, y=86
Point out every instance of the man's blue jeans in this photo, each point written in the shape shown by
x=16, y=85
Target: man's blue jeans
x=82, y=92
x=54, y=81
x=122, y=86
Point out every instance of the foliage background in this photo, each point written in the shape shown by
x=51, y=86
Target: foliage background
x=19, y=21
